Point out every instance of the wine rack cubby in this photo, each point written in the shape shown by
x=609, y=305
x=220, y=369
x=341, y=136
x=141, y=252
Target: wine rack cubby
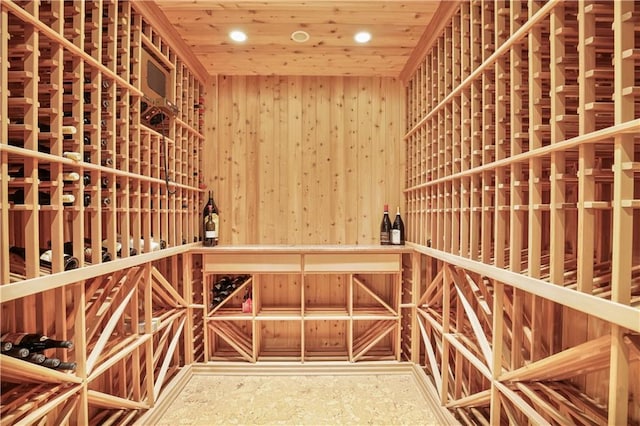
x=339, y=304
x=522, y=157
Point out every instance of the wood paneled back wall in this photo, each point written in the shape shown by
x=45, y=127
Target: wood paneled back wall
x=304, y=160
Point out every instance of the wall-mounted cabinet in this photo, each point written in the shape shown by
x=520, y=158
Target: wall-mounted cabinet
x=307, y=303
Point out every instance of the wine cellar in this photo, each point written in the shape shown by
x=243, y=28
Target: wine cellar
x=507, y=135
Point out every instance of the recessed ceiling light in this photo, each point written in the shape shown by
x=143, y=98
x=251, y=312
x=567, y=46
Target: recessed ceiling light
x=300, y=36
x=238, y=36
x=362, y=37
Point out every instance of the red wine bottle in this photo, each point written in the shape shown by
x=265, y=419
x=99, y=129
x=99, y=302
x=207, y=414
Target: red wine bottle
x=397, y=230
x=35, y=342
x=216, y=220
x=205, y=213
x=385, y=227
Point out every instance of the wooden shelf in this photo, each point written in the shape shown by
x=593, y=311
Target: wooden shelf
x=313, y=313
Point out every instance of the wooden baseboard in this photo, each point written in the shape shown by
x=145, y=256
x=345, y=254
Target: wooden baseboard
x=167, y=396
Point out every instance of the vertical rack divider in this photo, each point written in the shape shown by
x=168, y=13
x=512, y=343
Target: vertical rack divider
x=51, y=71
x=623, y=191
x=106, y=127
x=519, y=140
x=488, y=134
x=447, y=138
x=586, y=156
x=30, y=215
x=475, y=46
x=501, y=128
x=120, y=186
x=136, y=152
x=465, y=122
x=557, y=249
x=4, y=163
x=456, y=140
x=535, y=46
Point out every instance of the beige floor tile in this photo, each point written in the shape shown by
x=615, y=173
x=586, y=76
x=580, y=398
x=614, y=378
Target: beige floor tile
x=300, y=400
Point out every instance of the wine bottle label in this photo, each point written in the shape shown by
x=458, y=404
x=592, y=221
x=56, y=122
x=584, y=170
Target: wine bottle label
x=395, y=236
x=215, y=224
x=71, y=177
x=46, y=256
x=210, y=234
x=68, y=198
x=69, y=130
x=384, y=238
x=16, y=338
x=75, y=156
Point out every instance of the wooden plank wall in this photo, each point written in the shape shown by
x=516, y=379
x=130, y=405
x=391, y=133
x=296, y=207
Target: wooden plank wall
x=304, y=160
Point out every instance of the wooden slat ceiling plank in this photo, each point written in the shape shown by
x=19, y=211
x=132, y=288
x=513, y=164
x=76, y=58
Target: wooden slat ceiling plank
x=204, y=26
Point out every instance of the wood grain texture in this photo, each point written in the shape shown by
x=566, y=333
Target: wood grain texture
x=305, y=160
x=396, y=28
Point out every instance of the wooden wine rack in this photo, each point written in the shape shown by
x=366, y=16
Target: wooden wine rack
x=310, y=303
x=522, y=191
x=71, y=75
x=78, y=64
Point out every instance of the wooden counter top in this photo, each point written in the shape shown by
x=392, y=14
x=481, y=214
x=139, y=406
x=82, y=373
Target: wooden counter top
x=302, y=248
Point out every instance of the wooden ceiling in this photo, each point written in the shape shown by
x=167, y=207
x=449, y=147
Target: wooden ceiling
x=396, y=28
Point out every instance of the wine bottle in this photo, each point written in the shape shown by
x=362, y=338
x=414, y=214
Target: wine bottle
x=36, y=358
x=216, y=220
x=70, y=262
x=385, y=227
x=106, y=256
x=51, y=362
x=43, y=174
x=209, y=229
x=397, y=230
x=132, y=251
x=35, y=342
x=205, y=211
x=107, y=162
x=87, y=199
x=75, y=156
x=44, y=198
x=17, y=352
x=66, y=366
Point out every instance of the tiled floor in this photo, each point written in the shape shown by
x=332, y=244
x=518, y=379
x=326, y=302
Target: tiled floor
x=392, y=399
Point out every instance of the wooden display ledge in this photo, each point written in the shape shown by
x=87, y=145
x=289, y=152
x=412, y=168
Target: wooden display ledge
x=302, y=258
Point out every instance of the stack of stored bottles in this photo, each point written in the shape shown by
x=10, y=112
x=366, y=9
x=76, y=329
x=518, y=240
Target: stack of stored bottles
x=30, y=347
x=224, y=287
